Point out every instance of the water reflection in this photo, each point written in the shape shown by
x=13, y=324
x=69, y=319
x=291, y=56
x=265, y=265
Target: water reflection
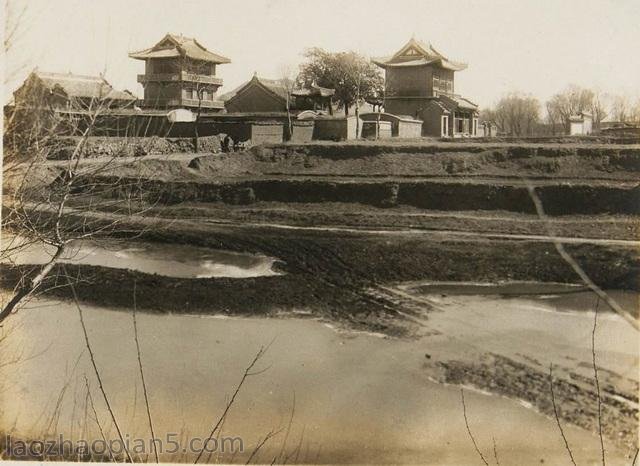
x=172, y=260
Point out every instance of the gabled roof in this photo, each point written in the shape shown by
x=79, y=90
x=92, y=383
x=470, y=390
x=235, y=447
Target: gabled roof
x=313, y=90
x=456, y=102
x=278, y=88
x=179, y=46
x=272, y=86
x=438, y=104
x=80, y=86
x=416, y=53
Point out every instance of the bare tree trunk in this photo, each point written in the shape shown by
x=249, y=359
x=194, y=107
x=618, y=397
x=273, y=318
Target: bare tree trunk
x=357, y=111
x=289, y=115
x=196, y=140
x=28, y=288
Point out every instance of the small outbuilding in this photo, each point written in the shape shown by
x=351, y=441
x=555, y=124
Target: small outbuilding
x=330, y=128
x=580, y=124
x=69, y=91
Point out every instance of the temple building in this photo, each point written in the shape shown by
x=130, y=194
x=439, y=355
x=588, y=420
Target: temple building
x=180, y=73
x=67, y=91
x=262, y=95
x=420, y=83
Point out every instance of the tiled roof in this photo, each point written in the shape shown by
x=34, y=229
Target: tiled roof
x=278, y=87
x=314, y=90
x=176, y=46
x=457, y=102
x=273, y=85
x=440, y=105
x=416, y=53
x=79, y=86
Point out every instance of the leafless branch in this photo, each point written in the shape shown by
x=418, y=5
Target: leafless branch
x=280, y=456
x=144, y=385
x=555, y=412
x=96, y=371
x=95, y=415
x=247, y=373
x=595, y=375
x=495, y=451
x=574, y=265
x=466, y=422
x=267, y=437
x=69, y=208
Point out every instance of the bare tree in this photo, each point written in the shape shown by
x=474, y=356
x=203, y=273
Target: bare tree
x=635, y=112
x=201, y=90
x=516, y=114
x=54, y=202
x=599, y=110
x=620, y=108
x=625, y=108
x=553, y=118
x=288, y=82
x=574, y=100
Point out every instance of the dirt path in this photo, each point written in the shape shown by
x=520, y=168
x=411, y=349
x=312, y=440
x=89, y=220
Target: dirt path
x=444, y=234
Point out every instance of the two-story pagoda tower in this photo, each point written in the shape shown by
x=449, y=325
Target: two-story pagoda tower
x=180, y=73
x=419, y=82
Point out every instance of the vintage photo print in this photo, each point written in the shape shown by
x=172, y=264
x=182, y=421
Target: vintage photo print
x=320, y=232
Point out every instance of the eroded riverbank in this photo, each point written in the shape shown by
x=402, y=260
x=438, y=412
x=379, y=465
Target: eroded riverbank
x=377, y=385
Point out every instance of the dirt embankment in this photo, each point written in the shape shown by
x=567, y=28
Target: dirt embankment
x=330, y=273
x=388, y=160
x=95, y=146
x=558, y=198
x=438, y=160
x=343, y=215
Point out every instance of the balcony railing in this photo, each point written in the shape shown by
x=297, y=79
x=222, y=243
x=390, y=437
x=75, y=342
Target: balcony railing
x=180, y=76
x=183, y=103
x=205, y=103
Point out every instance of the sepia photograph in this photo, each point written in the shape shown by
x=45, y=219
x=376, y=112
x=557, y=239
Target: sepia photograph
x=320, y=232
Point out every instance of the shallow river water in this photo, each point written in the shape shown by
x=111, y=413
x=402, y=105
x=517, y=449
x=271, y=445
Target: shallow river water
x=355, y=397
x=358, y=397
x=172, y=260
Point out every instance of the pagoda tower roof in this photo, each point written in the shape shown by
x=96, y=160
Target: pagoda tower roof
x=173, y=45
x=416, y=53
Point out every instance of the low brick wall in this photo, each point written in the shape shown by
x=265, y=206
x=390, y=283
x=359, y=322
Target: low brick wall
x=409, y=129
x=401, y=127
x=266, y=132
x=302, y=131
x=382, y=128
x=111, y=146
x=335, y=129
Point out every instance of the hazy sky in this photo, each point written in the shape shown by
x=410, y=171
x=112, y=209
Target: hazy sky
x=534, y=46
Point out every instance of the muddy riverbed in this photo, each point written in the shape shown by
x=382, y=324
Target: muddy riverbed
x=358, y=396
x=374, y=380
